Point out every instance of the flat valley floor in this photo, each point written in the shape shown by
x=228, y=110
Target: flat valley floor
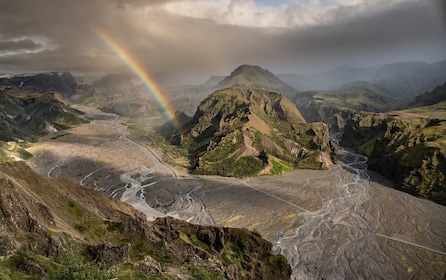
x=343, y=223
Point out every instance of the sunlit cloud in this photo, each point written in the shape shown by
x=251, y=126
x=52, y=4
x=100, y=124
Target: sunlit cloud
x=285, y=13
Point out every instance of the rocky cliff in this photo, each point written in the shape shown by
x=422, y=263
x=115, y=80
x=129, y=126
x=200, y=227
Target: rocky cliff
x=407, y=146
x=55, y=229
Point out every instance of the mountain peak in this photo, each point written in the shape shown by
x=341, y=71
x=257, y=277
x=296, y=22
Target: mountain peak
x=255, y=77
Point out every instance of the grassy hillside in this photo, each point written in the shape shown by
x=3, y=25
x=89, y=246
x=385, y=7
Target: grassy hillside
x=408, y=146
x=239, y=131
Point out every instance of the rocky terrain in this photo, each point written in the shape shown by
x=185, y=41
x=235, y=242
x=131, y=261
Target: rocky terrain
x=342, y=222
x=335, y=223
x=56, y=228
x=25, y=115
x=245, y=131
x=407, y=146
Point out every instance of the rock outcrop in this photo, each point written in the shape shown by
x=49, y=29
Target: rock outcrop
x=242, y=131
x=403, y=146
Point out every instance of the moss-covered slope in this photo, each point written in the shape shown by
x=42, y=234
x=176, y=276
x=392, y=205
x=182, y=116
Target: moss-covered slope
x=244, y=131
x=408, y=146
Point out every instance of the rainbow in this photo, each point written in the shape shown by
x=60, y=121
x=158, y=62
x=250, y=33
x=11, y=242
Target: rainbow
x=144, y=75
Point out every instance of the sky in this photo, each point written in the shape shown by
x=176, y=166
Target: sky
x=190, y=40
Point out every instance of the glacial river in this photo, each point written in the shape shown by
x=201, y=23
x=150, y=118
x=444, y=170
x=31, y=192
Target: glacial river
x=335, y=224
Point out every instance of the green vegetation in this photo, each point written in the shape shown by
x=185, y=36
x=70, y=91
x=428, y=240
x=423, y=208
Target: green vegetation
x=26, y=115
x=280, y=167
x=193, y=240
x=202, y=273
x=233, y=167
x=335, y=107
x=73, y=266
x=141, y=247
x=74, y=209
x=237, y=130
x=275, y=267
x=406, y=146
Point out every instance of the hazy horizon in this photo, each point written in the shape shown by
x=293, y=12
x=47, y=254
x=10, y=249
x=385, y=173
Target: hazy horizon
x=188, y=41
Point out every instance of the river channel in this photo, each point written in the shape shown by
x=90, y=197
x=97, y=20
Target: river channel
x=342, y=223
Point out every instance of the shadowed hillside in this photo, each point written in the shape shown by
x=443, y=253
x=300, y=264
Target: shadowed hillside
x=56, y=229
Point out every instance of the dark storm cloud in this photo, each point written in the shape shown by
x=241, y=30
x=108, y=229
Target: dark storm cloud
x=169, y=43
x=18, y=45
x=409, y=31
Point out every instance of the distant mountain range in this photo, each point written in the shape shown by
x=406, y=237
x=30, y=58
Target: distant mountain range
x=402, y=81
x=56, y=82
x=333, y=107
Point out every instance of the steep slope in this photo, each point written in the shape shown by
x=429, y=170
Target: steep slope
x=26, y=115
x=334, y=107
x=244, y=131
x=54, y=228
x=408, y=146
x=430, y=98
x=255, y=77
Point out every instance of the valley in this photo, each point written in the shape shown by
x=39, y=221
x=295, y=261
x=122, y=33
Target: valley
x=343, y=222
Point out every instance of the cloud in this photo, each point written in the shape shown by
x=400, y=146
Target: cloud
x=19, y=46
x=196, y=39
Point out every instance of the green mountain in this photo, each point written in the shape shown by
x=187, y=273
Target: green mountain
x=255, y=77
x=52, y=228
x=334, y=107
x=408, y=146
x=245, y=131
x=27, y=115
